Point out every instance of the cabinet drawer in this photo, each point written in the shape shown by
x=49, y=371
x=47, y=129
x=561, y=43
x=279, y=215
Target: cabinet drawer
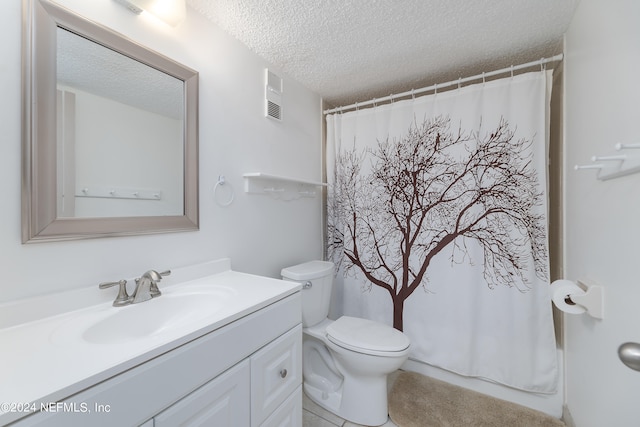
x=289, y=414
x=276, y=371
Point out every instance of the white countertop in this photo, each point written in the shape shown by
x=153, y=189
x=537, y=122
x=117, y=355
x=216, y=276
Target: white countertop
x=45, y=360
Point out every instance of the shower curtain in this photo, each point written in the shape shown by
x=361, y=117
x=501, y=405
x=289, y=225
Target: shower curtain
x=437, y=222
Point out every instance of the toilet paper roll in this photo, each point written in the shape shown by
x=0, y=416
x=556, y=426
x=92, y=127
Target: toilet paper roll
x=560, y=291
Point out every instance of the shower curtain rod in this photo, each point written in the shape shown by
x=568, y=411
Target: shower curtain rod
x=541, y=62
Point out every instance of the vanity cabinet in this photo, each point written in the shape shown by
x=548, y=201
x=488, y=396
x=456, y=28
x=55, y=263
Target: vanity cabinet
x=247, y=373
x=270, y=379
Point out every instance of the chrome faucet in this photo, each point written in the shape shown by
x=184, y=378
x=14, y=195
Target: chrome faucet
x=146, y=288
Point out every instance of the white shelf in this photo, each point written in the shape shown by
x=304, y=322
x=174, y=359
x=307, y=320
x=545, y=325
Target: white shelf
x=280, y=186
x=620, y=171
x=625, y=161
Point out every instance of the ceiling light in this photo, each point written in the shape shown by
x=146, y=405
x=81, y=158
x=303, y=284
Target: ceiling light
x=171, y=12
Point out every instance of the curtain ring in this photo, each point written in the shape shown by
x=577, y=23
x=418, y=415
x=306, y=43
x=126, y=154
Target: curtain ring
x=542, y=64
x=511, y=70
x=391, y=98
x=356, y=106
x=435, y=89
x=459, y=82
x=483, y=80
x=374, y=103
x=413, y=95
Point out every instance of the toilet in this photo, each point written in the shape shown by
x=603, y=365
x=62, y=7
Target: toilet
x=345, y=362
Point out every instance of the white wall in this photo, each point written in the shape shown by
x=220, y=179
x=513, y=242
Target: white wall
x=602, y=92
x=259, y=234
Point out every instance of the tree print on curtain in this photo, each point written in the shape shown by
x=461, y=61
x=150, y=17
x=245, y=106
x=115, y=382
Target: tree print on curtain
x=394, y=207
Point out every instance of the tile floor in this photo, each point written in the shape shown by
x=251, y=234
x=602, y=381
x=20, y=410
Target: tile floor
x=316, y=416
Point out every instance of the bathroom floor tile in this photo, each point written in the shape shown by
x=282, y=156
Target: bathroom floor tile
x=319, y=411
x=349, y=424
x=310, y=419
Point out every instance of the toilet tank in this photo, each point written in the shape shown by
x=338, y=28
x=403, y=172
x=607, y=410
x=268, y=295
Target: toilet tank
x=316, y=278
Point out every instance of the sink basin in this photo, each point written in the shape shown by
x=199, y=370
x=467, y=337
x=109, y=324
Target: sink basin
x=176, y=309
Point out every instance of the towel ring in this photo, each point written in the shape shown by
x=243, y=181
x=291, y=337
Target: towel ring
x=221, y=182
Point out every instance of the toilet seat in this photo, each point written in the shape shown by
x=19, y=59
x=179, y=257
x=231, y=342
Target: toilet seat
x=367, y=336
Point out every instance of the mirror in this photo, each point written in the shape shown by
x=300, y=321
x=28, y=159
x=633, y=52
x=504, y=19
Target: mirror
x=110, y=132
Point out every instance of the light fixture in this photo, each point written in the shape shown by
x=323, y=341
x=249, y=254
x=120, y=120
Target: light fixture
x=171, y=12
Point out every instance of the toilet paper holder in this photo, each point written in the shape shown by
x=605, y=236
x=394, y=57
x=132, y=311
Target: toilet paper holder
x=592, y=299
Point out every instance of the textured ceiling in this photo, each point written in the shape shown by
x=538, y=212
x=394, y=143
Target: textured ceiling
x=355, y=50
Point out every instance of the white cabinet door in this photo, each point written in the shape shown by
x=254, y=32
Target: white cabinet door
x=222, y=402
x=276, y=371
x=289, y=414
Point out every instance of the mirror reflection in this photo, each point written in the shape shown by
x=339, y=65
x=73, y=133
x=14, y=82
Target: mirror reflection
x=120, y=133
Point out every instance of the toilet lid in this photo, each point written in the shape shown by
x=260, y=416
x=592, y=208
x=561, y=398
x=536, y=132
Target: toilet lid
x=363, y=334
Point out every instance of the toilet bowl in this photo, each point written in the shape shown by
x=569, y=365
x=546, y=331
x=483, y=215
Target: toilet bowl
x=346, y=361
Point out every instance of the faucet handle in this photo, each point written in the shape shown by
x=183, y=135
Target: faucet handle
x=153, y=288
x=123, y=298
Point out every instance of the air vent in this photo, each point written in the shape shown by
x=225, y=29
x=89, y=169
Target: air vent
x=274, y=110
x=273, y=95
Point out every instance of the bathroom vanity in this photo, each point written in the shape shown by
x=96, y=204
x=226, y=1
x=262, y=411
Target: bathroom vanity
x=228, y=355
